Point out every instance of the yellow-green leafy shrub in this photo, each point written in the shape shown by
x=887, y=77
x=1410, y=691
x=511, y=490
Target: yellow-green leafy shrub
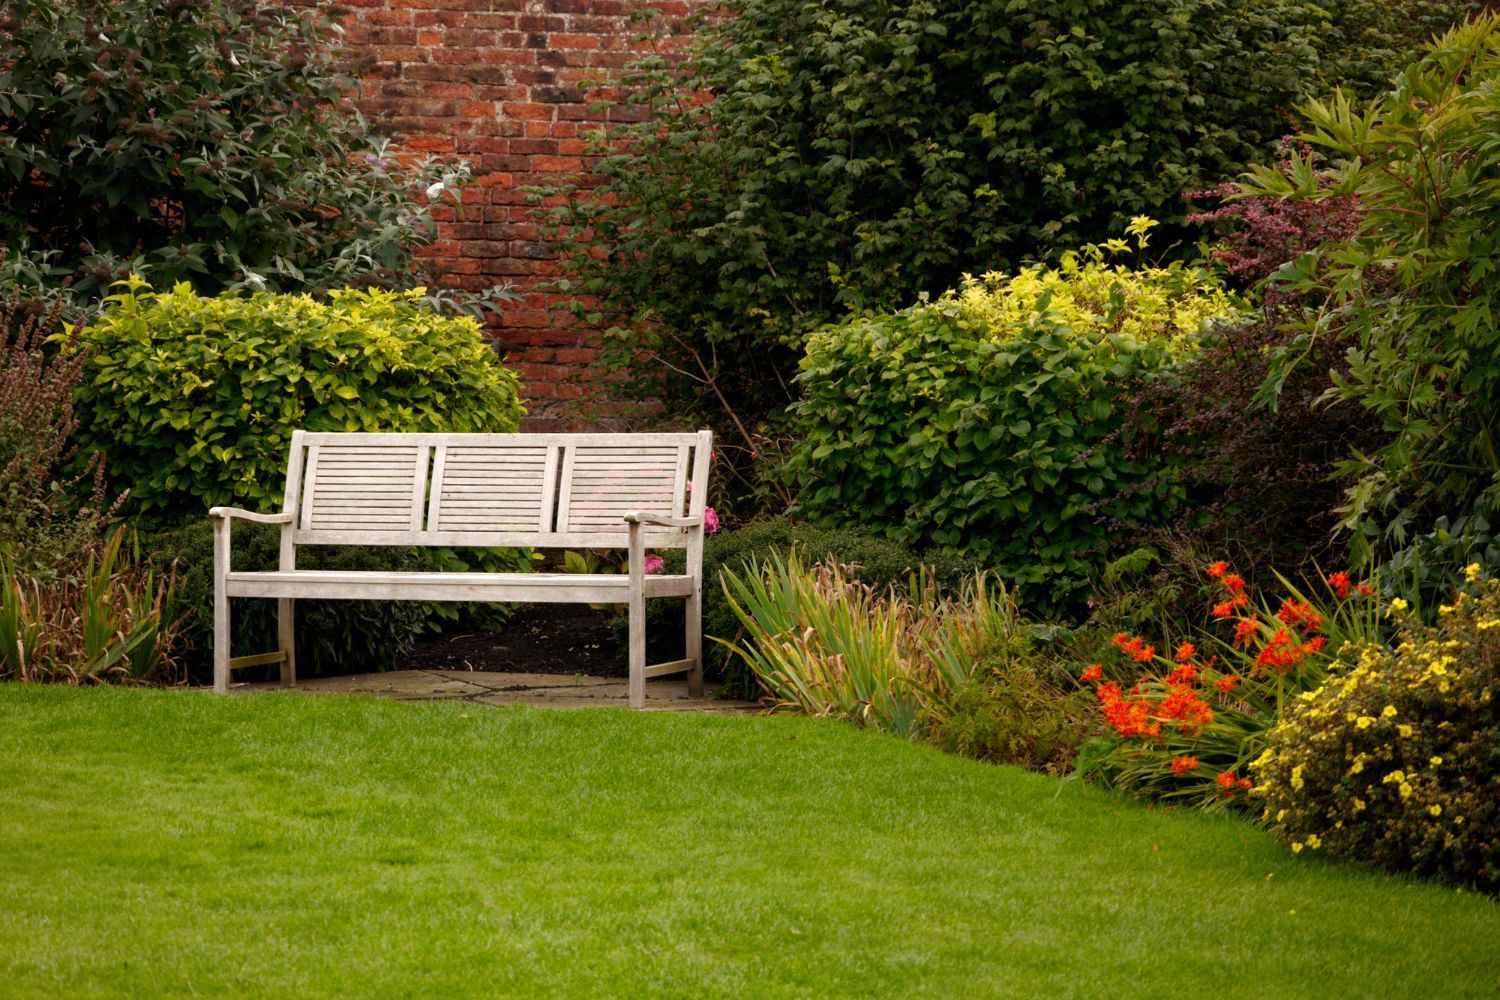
x=988, y=423
x=195, y=398
x=1395, y=760
x=1086, y=291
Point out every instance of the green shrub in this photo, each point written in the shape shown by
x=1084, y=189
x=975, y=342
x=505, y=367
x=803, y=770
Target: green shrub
x=1011, y=713
x=1396, y=759
x=857, y=154
x=1429, y=568
x=201, y=141
x=1412, y=288
x=195, y=398
x=987, y=422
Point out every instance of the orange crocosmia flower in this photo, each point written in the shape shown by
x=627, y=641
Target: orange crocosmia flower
x=1280, y=654
x=1182, y=765
x=1093, y=673
x=1226, y=781
x=1364, y=590
x=1185, y=708
x=1300, y=613
x=1120, y=639
x=1223, y=609
x=1218, y=569
x=1233, y=583
x=1227, y=684
x=1245, y=784
x=1339, y=582
x=1185, y=652
x=1185, y=674
x=1314, y=645
x=1129, y=719
x=1245, y=631
x=1144, y=654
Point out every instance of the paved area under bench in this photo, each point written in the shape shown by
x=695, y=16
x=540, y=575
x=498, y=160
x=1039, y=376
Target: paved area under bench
x=542, y=690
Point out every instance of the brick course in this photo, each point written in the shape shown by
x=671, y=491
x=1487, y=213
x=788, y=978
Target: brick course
x=497, y=83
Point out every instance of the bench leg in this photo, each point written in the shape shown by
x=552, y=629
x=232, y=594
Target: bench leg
x=221, y=604
x=637, y=649
x=694, y=644
x=221, y=637
x=286, y=639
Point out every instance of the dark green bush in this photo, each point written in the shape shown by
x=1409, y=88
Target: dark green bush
x=990, y=422
x=1430, y=568
x=858, y=153
x=1412, y=286
x=195, y=398
x=202, y=141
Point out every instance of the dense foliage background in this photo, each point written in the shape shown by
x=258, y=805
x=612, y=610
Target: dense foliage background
x=202, y=141
x=856, y=154
x=1411, y=292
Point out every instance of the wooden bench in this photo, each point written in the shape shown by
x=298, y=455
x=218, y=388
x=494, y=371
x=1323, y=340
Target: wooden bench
x=630, y=491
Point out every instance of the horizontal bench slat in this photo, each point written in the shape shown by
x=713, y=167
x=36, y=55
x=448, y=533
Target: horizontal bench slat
x=673, y=667
x=257, y=660
x=499, y=587
x=467, y=440
x=485, y=538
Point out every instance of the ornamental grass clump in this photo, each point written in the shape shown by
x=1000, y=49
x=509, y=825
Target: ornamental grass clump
x=823, y=643
x=1395, y=759
x=107, y=623
x=1183, y=725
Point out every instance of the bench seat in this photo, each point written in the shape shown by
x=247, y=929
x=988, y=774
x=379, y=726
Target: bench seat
x=530, y=588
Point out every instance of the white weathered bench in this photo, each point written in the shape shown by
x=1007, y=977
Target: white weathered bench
x=630, y=491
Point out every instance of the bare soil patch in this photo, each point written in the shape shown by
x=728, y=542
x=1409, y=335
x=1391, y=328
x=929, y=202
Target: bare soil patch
x=540, y=639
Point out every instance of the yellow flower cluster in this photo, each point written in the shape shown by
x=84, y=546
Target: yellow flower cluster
x=1387, y=761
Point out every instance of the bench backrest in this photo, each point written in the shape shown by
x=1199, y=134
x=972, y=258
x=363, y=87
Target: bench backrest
x=484, y=490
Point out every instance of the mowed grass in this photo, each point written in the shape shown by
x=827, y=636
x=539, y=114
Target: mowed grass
x=157, y=844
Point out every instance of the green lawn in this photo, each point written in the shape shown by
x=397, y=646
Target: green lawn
x=157, y=843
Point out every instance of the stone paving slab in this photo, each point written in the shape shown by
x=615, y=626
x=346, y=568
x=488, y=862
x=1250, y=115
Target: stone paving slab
x=540, y=690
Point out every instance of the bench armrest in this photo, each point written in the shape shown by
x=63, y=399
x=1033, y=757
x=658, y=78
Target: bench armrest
x=229, y=513
x=660, y=520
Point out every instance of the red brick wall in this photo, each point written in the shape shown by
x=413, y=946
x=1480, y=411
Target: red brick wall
x=496, y=82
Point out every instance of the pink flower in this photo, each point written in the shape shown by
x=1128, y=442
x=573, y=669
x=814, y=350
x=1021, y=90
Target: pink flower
x=710, y=520
x=654, y=564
